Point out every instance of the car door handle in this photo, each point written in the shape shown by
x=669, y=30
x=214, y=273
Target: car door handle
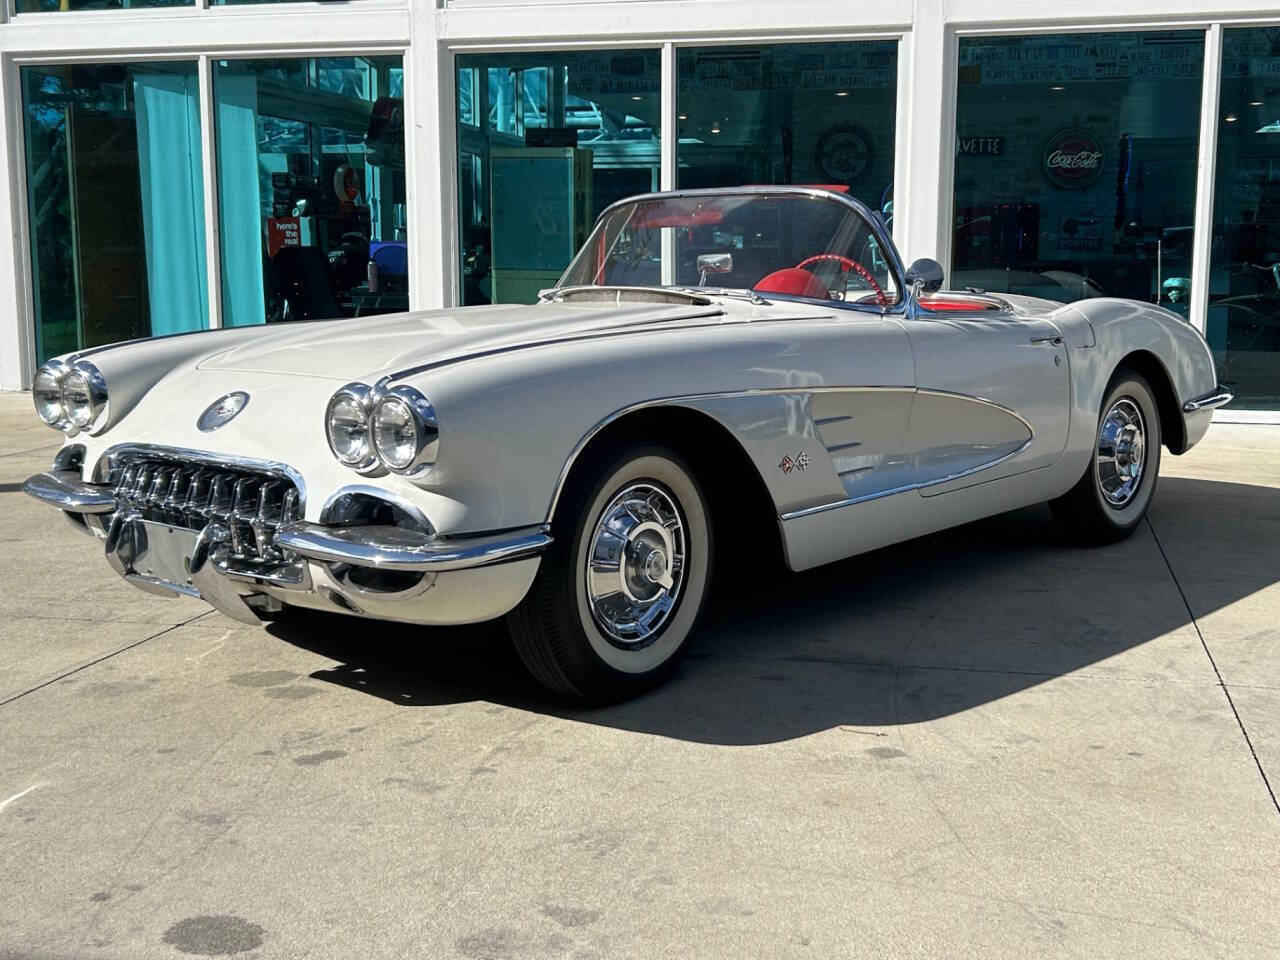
x=1053, y=340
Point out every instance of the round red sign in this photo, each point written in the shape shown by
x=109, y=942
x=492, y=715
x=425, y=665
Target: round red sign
x=1073, y=158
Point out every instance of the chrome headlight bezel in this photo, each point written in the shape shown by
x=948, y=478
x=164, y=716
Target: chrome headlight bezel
x=422, y=416
x=48, y=381
x=52, y=378
x=360, y=395
x=95, y=392
x=418, y=410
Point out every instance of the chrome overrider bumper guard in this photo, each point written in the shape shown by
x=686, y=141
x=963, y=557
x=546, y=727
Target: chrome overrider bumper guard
x=1215, y=398
x=65, y=490
x=130, y=541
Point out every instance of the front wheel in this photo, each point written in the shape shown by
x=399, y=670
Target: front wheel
x=618, y=594
x=1110, y=500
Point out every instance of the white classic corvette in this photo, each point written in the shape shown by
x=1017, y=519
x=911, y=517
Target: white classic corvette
x=718, y=372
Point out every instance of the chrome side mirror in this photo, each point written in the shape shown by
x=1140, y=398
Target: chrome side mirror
x=924, y=276
x=714, y=263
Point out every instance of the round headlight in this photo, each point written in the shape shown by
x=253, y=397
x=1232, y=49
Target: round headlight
x=405, y=432
x=84, y=395
x=46, y=390
x=395, y=433
x=347, y=426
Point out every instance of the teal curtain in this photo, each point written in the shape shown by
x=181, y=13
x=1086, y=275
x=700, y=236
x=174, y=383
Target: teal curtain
x=168, y=122
x=239, y=200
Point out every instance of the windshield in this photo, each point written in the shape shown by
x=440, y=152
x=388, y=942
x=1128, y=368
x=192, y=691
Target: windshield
x=785, y=243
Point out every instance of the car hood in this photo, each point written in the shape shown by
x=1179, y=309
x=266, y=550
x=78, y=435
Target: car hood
x=371, y=347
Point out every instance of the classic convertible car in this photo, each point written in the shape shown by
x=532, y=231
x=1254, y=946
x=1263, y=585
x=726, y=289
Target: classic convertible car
x=718, y=374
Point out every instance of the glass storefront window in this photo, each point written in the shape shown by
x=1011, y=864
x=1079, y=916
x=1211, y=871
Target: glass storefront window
x=546, y=141
x=1076, y=165
x=814, y=113
x=116, y=201
x=311, y=188
x=55, y=6
x=1243, y=323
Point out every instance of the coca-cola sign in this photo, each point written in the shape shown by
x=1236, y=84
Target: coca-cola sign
x=1073, y=158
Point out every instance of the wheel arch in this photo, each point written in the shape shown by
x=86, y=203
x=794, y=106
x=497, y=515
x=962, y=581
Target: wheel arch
x=731, y=481
x=1172, y=427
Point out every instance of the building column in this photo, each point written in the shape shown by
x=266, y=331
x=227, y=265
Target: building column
x=431, y=164
x=17, y=341
x=926, y=150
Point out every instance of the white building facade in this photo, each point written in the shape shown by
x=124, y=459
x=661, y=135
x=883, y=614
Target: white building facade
x=174, y=165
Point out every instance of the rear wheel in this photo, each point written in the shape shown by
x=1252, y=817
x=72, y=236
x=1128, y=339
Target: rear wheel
x=619, y=592
x=1111, y=498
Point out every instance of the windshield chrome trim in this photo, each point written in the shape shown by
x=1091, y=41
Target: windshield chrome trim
x=874, y=224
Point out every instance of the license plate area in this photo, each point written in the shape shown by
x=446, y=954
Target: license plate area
x=158, y=552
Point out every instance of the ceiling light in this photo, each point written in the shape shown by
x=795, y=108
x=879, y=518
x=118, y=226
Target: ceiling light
x=637, y=98
x=1057, y=89
x=1255, y=103
x=683, y=116
x=842, y=93
x=1231, y=118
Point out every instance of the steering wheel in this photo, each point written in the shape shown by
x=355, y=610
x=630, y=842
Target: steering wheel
x=848, y=265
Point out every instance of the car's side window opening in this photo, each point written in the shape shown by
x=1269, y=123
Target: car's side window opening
x=788, y=244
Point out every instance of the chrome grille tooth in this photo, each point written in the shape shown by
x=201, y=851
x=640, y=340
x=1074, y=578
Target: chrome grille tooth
x=197, y=491
x=155, y=493
x=140, y=483
x=219, y=504
x=233, y=528
x=177, y=492
x=288, y=512
x=263, y=528
x=289, y=507
x=127, y=478
x=243, y=505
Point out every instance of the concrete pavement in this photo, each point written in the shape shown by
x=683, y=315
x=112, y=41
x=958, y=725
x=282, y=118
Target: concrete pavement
x=985, y=743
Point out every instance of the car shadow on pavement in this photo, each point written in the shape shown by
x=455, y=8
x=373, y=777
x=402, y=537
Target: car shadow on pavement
x=909, y=633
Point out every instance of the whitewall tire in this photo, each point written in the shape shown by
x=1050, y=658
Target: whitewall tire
x=619, y=592
x=1112, y=497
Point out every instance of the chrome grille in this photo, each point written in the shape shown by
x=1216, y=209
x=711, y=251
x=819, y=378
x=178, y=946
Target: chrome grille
x=242, y=508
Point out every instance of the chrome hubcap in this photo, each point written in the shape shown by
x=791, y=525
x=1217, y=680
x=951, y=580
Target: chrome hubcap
x=636, y=565
x=1121, y=452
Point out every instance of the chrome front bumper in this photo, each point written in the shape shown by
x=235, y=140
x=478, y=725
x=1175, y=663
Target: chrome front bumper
x=461, y=580
x=398, y=549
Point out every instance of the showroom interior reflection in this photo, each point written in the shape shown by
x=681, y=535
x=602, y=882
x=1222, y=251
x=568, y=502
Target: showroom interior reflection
x=797, y=113
x=546, y=141
x=116, y=202
x=1243, y=324
x=1075, y=170
x=311, y=188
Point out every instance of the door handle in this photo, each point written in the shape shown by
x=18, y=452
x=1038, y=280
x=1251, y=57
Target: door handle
x=1054, y=340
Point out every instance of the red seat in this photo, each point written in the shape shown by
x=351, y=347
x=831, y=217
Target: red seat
x=796, y=282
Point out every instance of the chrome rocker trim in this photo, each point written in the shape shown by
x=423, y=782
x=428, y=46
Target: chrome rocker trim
x=1209, y=401
x=65, y=490
x=385, y=547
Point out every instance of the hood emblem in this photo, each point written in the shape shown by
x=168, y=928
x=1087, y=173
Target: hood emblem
x=222, y=411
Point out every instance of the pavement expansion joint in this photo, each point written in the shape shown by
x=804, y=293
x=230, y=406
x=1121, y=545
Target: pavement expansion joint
x=105, y=656
x=1213, y=663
